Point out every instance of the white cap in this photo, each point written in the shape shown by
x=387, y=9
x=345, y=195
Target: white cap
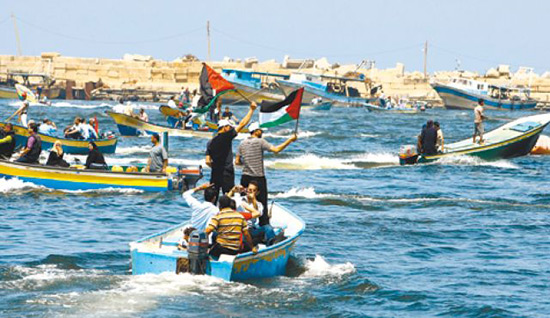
x=254, y=126
x=223, y=122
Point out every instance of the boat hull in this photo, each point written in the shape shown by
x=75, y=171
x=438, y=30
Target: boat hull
x=7, y=92
x=254, y=94
x=319, y=107
x=157, y=254
x=71, y=146
x=130, y=126
x=454, y=98
x=311, y=93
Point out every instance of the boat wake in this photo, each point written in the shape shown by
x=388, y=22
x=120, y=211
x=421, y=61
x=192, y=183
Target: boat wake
x=285, y=133
x=308, y=193
x=314, y=162
x=133, y=150
x=320, y=267
x=474, y=161
x=17, y=186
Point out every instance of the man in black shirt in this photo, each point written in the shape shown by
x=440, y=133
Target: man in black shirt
x=429, y=139
x=219, y=153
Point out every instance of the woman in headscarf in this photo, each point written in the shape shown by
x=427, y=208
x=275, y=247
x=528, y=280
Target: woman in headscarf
x=56, y=156
x=95, y=158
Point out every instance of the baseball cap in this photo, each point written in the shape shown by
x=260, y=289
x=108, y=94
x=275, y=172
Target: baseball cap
x=223, y=122
x=254, y=126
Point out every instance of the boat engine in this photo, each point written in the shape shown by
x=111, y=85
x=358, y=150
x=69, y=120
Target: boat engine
x=197, y=252
x=186, y=178
x=408, y=155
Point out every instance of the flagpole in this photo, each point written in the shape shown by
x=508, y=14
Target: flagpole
x=296, y=128
x=239, y=92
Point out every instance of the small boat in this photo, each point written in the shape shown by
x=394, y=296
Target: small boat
x=329, y=88
x=257, y=86
x=159, y=252
x=318, y=107
x=462, y=93
x=511, y=140
x=8, y=92
x=71, y=146
x=131, y=126
x=77, y=178
x=397, y=109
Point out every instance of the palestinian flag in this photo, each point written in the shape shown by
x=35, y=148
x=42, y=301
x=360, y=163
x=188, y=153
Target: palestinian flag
x=273, y=114
x=212, y=85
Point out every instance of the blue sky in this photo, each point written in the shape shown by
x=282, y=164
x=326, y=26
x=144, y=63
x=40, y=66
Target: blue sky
x=481, y=34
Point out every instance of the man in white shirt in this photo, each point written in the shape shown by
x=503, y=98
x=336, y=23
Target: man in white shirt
x=202, y=212
x=478, y=122
x=86, y=130
x=172, y=102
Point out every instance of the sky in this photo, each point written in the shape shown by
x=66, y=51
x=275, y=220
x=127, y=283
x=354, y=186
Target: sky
x=477, y=34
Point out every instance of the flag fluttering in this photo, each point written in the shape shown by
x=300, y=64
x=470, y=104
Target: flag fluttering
x=212, y=85
x=276, y=113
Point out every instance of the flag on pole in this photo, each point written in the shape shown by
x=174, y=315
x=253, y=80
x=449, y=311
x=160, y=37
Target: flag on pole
x=276, y=113
x=212, y=85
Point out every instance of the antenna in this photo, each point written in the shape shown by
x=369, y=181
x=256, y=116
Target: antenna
x=425, y=60
x=208, y=38
x=19, y=52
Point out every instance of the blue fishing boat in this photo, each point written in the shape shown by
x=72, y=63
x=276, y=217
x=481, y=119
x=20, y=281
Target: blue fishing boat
x=319, y=106
x=256, y=86
x=329, y=88
x=161, y=252
x=463, y=93
x=71, y=146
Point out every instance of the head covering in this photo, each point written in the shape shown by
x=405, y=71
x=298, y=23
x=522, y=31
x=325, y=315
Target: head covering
x=222, y=123
x=253, y=127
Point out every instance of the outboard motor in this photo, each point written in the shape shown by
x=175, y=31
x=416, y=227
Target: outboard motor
x=408, y=155
x=187, y=177
x=198, y=252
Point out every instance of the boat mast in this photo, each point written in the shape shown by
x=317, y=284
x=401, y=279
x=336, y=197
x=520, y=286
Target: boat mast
x=425, y=59
x=19, y=52
x=208, y=38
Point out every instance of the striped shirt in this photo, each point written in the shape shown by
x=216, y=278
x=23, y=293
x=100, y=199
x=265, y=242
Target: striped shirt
x=230, y=226
x=251, y=151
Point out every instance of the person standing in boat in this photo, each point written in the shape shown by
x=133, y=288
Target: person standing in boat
x=251, y=156
x=158, y=157
x=428, y=139
x=7, y=142
x=219, y=152
x=31, y=153
x=22, y=111
x=440, y=140
x=478, y=122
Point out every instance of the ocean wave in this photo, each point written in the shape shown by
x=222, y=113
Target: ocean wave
x=133, y=150
x=285, y=133
x=308, y=193
x=309, y=162
x=378, y=157
x=319, y=267
x=14, y=185
x=475, y=161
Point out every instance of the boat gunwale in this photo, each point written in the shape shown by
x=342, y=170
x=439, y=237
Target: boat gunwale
x=487, y=97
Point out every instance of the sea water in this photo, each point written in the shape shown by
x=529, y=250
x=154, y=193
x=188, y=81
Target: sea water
x=459, y=237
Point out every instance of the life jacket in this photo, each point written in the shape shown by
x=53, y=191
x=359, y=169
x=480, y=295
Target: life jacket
x=7, y=149
x=34, y=154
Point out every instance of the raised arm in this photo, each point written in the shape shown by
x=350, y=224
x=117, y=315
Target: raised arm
x=247, y=118
x=281, y=147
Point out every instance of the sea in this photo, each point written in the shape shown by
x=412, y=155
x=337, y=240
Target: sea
x=460, y=237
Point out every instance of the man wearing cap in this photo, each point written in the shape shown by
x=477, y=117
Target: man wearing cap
x=251, y=156
x=158, y=157
x=219, y=152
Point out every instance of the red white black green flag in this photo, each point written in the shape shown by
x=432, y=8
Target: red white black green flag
x=212, y=85
x=275, y=113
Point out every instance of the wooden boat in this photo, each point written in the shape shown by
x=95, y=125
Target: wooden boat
x=8, y=92
x=513, y=139
x=172, y=116
x=131, y=126
x=159, y=252
x=256, y=86
x=462, y=93
x=76, y=178
x=71, y=146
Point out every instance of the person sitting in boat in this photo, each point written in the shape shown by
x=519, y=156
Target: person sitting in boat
x=172, y=102
x=252, y=209
x=201, y=212
x=440, y=141
x=22, y=111
x=183, y=119
x=143, y=115
x=428, y=139
x=56, y=156
x=227, y=114
x=47, y=127
x=73, y=132
x=87, y=130
x=95, y=159
x=158, y=157
x=31, y=153
x=7, y=142
x=230, y=227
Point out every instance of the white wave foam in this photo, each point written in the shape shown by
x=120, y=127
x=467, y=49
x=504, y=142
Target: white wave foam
x=309, y=162
x=127, y=191
x=475, y=161
x=132, y=150
x=285, y=133
x=369, y=135
x=41, y=276
x=14, y=185
x=64, y=105
x=381, y=157
x=320, y=267
x=308, y=193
